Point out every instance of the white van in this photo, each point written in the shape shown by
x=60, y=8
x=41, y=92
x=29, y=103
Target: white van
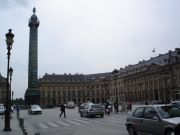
x=70, y=104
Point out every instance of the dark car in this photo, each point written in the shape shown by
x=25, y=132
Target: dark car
x=153, y=120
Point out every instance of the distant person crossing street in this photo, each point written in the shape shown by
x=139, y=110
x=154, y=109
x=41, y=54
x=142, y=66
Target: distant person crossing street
x=62, y=109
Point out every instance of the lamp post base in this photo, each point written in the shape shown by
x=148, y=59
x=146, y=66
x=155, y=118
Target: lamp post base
x=7, y=129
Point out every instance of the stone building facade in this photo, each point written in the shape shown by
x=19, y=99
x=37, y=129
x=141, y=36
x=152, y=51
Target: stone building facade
x=157, y=79
x=57, y=89
x=3, y=89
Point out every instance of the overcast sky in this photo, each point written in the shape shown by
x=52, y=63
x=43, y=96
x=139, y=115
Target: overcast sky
x=87, y=36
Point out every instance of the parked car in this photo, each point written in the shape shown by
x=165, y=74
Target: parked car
x=154, y=120
x=2, y=109
x=80, y=106
x=176, y=104
x=90, y=109
x=70, y=104
x=34, y=109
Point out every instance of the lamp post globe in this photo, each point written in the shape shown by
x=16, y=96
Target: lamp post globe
x=9, y=42
x=10, y=71
x=9, y=39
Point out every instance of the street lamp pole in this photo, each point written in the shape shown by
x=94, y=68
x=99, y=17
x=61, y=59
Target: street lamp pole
x=10, y=74
x=115, y=73
x=12, y=98
x=9, y=42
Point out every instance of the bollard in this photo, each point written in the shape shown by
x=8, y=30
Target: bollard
x=17, y=114
x=24, y=131
x=21, y=122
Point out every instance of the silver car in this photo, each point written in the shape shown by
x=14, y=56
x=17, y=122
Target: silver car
x=2, y=109
x=153, y=120
x=34, y=109
x=90, y=109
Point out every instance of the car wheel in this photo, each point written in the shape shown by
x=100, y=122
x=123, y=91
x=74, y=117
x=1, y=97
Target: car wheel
x=102, y=115
x=169, y=132
x=88, y=115
x=81, y=114
x=131, y=130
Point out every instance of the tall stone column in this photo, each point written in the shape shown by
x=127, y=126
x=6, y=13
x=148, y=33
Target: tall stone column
x=32, y=95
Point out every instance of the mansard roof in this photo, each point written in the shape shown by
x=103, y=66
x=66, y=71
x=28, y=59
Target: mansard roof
x=80, y=77
x=162, y=60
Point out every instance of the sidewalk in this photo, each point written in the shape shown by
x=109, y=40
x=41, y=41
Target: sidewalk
x=14, y=124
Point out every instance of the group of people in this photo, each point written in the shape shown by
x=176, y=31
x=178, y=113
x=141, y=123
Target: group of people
x=124, y=107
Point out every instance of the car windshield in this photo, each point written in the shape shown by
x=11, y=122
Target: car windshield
x=96, y=106
x=168, y=111
x=1, y=107
x=35, y=107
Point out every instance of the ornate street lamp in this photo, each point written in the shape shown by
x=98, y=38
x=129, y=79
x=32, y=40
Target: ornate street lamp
x=9, y=42
x=115, y=74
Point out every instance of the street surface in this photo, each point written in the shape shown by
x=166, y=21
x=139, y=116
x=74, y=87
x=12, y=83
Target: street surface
x=49, y=123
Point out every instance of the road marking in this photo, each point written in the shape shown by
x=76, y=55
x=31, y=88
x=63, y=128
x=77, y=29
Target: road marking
x=91, y=120
x=52, y=124
x=82, y=121
x=73, y=122
x=112, y=121
x=41, y=125
x=62, y=123
x=118, y=120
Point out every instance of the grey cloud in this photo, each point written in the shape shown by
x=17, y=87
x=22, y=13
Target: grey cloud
x=22, y=2
x=9, y=4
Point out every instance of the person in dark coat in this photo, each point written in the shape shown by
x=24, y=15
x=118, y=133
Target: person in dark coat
x=17, y=110
x=107, y=108
x=62, y=109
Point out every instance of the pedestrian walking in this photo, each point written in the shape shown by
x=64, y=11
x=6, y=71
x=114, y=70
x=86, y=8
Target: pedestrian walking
x=116, y=108
x=129, y=106
x=17, y=110
x=62, y=109
x=107, y=111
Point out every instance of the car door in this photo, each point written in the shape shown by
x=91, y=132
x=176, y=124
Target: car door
x=151, y=123
x=137, y=119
